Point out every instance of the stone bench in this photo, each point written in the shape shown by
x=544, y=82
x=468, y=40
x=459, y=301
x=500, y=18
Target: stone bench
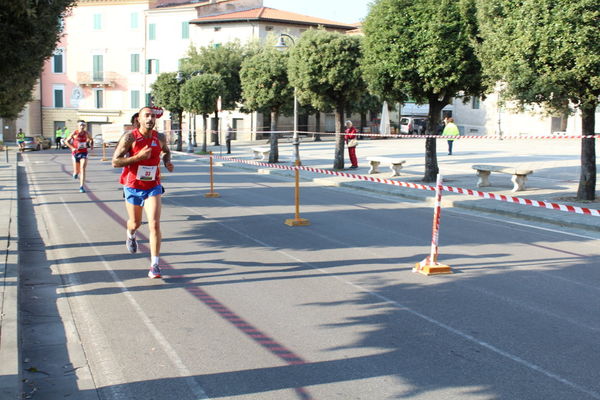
x=395, y=164
x=519, y=175
x=261, y=152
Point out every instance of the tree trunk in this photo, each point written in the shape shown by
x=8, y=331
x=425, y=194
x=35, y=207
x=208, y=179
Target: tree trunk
x=587, y=179
x=363, y=123
x=180, y=133
x=338, y=162
x=274, y=153
x=317, y=137
x=215, y=128
x=204, y=131
x=433, y=119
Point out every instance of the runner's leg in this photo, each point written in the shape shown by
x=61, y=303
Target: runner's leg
x=152, y=206
x=82, y=165
x=134, y=215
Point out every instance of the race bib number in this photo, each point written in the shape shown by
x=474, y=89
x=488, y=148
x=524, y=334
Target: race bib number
x=82, y=145
x=146, y=173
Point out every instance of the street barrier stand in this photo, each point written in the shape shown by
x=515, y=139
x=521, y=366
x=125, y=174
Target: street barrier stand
x=104, y=152
x=212, y=193
x=430, y=265
x=297, y=221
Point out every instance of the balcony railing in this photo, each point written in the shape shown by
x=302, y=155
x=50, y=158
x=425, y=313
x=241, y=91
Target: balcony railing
x=97, y=79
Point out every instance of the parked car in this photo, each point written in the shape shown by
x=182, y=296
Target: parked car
x=35, y=143
x=98, y=141
x=413, y=125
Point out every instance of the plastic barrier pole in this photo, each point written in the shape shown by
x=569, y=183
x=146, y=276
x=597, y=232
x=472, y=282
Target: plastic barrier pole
x=297, y=221
x=430, y=266
x=212, y=193
x=104, y=152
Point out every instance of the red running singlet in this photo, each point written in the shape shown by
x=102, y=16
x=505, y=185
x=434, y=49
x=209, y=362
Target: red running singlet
x=145, y=174
x=80, y=142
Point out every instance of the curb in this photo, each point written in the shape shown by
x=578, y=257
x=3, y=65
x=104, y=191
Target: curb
x=449, y=200
x=10, y=383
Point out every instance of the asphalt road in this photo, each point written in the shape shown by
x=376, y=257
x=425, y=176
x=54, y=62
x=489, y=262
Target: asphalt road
x=250, y=308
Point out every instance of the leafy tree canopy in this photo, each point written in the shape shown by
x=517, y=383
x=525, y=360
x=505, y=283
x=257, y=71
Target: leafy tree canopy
x=324, y=67
x=199, y=94
x=544, y=51
x=225, y=60
x=264, y=81
x=421, y=49
x=29, y=30
x=166, y=92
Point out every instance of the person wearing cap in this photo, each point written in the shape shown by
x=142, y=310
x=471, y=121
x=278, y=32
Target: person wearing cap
x=78, y=142
x=350, y=138
x=139, y=154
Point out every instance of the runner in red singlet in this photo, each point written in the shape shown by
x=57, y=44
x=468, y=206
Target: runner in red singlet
x=139, y=154
x=79, y=142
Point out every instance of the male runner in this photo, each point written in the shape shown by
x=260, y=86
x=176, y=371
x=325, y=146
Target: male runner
x=78, y=142
x=138, y=153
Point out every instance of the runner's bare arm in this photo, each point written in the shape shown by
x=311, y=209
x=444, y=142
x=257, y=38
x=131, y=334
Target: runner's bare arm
x=119, y=160
x=89, y=135
x=69, y=141
x=166, y=152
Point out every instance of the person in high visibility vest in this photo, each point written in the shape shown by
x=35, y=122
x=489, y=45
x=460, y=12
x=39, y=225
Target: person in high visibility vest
x=58, y=138
x=21, y=139
x=451, y=130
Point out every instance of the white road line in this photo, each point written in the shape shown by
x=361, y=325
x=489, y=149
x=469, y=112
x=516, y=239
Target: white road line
x=104, y=358
x=403, y=307
x=162, y=341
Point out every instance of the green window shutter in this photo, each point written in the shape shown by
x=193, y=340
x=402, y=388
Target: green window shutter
x=148, y=67
x=134, y=20
x=151, y=31
x=58, y=64
x=135, y=63
x=135, y=99
x=185, y=30
x=156, y=66
x=148, y=99
x=58, y=98
x=98, y=68
x=97, y=21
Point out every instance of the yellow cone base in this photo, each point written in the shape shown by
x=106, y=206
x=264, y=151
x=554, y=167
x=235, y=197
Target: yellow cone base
x=427, y=267
x=297, y=222
x=212, y=195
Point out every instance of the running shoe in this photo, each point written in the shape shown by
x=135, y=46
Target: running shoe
x=131, y=244
x=75, y=176
x=81, y=189
x=154, y=272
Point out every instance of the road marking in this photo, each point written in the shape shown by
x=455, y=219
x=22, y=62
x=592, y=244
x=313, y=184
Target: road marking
x=403, y=307
x=163, y=342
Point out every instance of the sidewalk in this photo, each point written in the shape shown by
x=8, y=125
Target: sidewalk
x=9, y=283
x=556, y=165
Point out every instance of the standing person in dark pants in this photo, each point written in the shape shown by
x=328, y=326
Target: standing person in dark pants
x=350, y=139
x=228, y=138
x=451, y=130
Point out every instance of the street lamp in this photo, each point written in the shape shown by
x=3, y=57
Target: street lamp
x=180, y=79
x=296, y=141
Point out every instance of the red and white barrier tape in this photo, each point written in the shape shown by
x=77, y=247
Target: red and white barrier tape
x=468, y=192
x=400, y=136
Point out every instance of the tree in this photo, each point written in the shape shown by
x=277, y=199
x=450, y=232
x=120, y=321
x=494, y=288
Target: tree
x=325, y=68
x=265, y=86
x=423, y=50
x=29, y=31
x=547, y=52
x=199, y=95
x=225, y=60
x=166, y=93
x=367, y=103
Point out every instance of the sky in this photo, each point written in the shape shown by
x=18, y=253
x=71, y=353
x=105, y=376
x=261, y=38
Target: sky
x=347, y=11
